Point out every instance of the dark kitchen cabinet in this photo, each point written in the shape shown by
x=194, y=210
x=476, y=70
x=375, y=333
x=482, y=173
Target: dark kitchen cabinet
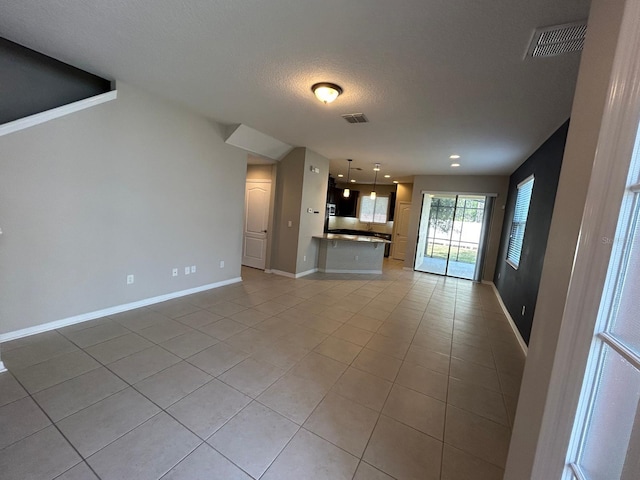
x=347, y=207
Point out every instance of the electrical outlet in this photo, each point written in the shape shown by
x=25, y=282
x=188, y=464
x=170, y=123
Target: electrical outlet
x=187, y=270
x=356, y=258
x=174, y=272
x=221, y=263
x=130, y=279
x=304, y=258
x=289, y=224
x=523, y=308
x=193, y=269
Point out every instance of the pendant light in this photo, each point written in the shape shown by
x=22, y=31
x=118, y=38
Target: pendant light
x=346, y=192
x=375, y=179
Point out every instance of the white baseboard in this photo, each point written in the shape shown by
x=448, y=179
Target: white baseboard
x=376, y=272
x=65, y=322
x=516, y=332
x=292, y=275
x=2, y=367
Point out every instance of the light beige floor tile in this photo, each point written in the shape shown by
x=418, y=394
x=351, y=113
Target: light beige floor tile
x=96, y=426
x=199, y=318
x=473, y=354
x=56, y=370
x=188, y=344
x=481, y=401
x=458, y=465
x=208, y=408
x=174, y=308
x=363, y=388
x=475, y=374
x=143, y=364
x=377, y=364
x=294, y=397
x=172, y=384
x=217, y=359
x=479, y=341
x=80, y=472
x=353, y=335
x=321, y=370
x=163, y=331
x=388, y=346
x=250, y=317
x=251, y=340
x=137, y=322
x=205, y=463
x=344, y=423
x=423, y=380
x=68, y=397
x=226, y=309
x=37, y=351
x=252, y=377
x=419, y=411
x=375, y=312
x=161, y=439
x=512, y=404
x=288, y=300
x=397, y=330
x=10, y=389
x=98, y=334
x=339, y=349
x=367, y=472
x=222, y=329
x=307, y=338
x=41, y=456
x=254, y=438
x=271, y=307
x=282, y=353
x=366, y=323
x=476, y=435
x=277, y=326
x=432, y=341
x=403, y=452
x=435, y=361
x=112, y=350
x=20, y=419
x=323, y=324
x=510, y=383
x=309, y=456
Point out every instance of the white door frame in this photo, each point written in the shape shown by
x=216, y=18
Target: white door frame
x=616, y=142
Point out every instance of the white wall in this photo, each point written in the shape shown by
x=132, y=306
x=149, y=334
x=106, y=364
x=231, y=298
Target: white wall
x=133, y=186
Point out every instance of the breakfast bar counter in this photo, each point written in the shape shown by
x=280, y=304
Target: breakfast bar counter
x=339, y=253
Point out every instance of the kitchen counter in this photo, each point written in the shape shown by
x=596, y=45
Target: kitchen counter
x=342, y=253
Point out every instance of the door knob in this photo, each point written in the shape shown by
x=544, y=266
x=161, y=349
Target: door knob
x=264, y=231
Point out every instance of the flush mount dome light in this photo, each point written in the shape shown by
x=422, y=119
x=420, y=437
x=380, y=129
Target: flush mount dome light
x=326, y=92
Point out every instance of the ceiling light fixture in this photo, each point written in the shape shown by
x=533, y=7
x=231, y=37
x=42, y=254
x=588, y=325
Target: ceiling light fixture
x=375, y=179
x=346, y=192
x=455, y=165
x=326, y=92
x=387, y=176
x=340, y=175
x=396, y=181
x=454, y=157
x=353, y=181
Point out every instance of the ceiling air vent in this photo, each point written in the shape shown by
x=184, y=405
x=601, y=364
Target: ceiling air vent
x=558, y=39
x=355, y=118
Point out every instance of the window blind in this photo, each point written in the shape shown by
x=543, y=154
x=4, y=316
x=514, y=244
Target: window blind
x=519, y=221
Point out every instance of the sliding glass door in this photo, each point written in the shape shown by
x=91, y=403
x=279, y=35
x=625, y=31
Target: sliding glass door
x=451, y=235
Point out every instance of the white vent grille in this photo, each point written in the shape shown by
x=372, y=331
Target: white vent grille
x=558, y=39
x=355, y=118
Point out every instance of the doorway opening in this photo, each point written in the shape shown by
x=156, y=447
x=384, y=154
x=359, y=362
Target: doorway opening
x=451, y=235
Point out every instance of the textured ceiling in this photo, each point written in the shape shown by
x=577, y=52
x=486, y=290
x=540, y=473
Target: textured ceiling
x=434, y=77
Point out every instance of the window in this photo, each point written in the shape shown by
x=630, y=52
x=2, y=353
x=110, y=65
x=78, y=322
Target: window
x=519, y=222
x=374, y=209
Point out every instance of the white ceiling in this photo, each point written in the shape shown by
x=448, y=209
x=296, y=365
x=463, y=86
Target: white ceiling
x=434, y=77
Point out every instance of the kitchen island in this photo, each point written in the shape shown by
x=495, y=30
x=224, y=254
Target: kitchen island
x=339, y=253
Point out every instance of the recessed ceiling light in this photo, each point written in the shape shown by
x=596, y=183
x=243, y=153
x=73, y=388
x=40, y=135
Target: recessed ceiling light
x=353, y=181
x=326, y=92
x=340, y=175
x=387, y=176
x=395, y=181
x=453, y=157
x=455, y=165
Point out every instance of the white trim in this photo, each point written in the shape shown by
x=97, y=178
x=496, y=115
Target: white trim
x=292, y=275
x=528, y=179
x=474, y=194
x=377, y=272
x=616, y=140
x=38, y=118
x=65, y=322
x=516, y=332
x=2, y=367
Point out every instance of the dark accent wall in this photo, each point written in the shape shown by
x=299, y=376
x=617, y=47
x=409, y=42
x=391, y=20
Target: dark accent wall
x=32, y=82
x=519, y=287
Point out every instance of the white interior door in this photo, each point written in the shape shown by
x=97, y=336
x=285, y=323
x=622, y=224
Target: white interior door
x=256, y=220
x=402, y=215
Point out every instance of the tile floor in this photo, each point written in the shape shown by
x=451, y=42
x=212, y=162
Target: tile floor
x=403, y=375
